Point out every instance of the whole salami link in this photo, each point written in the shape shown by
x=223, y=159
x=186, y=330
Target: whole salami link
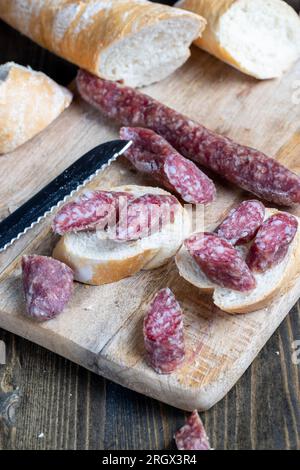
x=144, y=216
x=163, y=333
x=272, y=242
x=153, y=155
x=220, y=261
x=92, y=209
x=48, y=286
x=192, y=436
x=242, y=222
x=246, y=167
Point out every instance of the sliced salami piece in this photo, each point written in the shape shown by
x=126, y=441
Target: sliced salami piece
x=48, y=285
x=246, y=167
x=153, y=155
x=144, y=216
x=272, y=242
x=92, y=209
x=220, y=261
x=242, y=222
x=163, y=333
x=192, y=436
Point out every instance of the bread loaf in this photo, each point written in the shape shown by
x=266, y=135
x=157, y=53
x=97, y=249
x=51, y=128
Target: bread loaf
x=29, y=102
x=258, y=37
x=136, y=41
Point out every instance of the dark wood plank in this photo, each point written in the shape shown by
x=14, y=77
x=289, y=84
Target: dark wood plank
x=295, y=4
x=75, y=409
x=62, y=404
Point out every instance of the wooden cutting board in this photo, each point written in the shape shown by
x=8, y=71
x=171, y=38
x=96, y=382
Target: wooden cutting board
x=102, y=327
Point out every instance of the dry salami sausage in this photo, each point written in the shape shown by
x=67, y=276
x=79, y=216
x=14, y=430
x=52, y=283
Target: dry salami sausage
x=152, y=154
x=242, y=222
x=144, y=216
x=163, y=333
x=220, y=261
x=246, y=167
x=48, y=285
x=90, y=210
x=192, y=436
x=272, y=242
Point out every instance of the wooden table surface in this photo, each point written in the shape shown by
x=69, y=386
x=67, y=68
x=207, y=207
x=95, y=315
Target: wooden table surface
x=63, y=406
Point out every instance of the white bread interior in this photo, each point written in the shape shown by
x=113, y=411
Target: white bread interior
x=150, y=55
x=29, y=102
x=97, y=260
x=136, y=41
x=258, y=37
x=269, y=284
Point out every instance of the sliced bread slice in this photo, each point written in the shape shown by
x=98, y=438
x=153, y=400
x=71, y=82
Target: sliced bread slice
x=96, y=259
x=269, y=284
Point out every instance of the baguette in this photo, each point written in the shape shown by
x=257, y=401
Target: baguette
x=96, y=260
x=29, y=102
x=258, y=37
x=270, y=284
x=131, y=40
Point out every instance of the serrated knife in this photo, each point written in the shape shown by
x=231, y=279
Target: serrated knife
x=75, y=177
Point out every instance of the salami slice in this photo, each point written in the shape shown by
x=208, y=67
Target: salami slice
x=144, y=216
x=242, y=222
x=163, y=333
x=192, y=436
x=48, y=285
x=220, y=261
x=153, y=155
x=92, y=209
x=246, y=167
x=272, y=242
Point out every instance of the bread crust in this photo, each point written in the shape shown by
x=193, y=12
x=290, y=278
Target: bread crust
x=80, y=31
x=212, y=11
x=29, y=102
x=102, y=273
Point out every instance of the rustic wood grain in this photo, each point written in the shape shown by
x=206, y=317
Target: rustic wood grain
x=253, y=415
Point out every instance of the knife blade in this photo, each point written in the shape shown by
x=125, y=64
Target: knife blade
x=75, y=177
